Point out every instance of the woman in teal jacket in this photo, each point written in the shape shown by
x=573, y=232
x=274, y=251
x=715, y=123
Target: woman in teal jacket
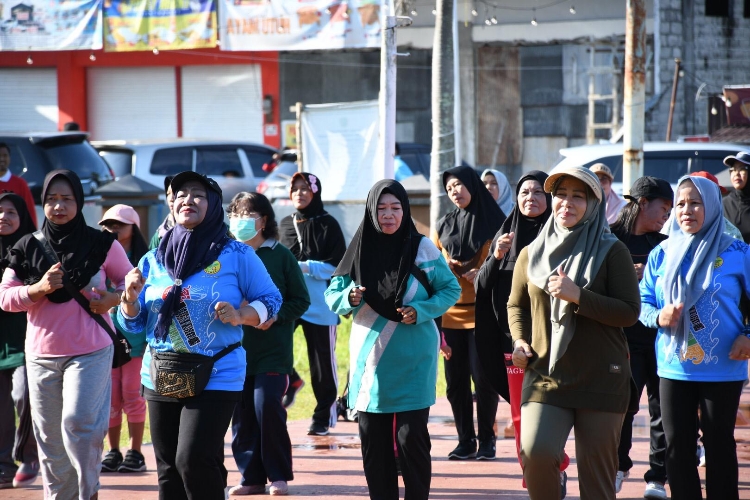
x=395, y=283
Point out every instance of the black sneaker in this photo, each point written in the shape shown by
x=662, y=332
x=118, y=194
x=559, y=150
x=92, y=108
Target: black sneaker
x=112, y=460
x=464, y=451
x=563, y=484
x=486, y=450
x=133, y=462
x=317, y=430
x=291, y=392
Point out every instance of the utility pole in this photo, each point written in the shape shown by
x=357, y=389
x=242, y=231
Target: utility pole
x=675, y=81
x=443, y=132
x=634, y=92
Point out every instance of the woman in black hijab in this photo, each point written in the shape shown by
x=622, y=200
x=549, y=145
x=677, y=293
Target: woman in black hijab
x=394, y=283
x=464, y=236
x=68, y=355
x=316, y=240
x=15, y=222
x=737, y=203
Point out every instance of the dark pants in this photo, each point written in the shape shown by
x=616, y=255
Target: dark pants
x=413, y=443
x=260, y=441
x=321, y=352
x=188, y=442
x=16, y=443
x=718, y=403
x=460, y=370
x=643, y=367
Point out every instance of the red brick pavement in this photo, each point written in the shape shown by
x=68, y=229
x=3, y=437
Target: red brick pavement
x=331, y=466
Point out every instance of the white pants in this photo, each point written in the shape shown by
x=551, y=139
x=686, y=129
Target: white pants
x=70, y=399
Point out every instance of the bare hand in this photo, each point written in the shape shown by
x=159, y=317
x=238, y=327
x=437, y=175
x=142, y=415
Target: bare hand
x=226, y=313
x=134, y=282
x=562, y=287
x=355, y=295
x=740, y=350
x=446, y=351
x=51, y=281
x=502, y=247
x=265, y=326
x=104, y=303
x=409, y=315
x=639, y=271
x=670, y=315
x=470, y=275
x=521, y=354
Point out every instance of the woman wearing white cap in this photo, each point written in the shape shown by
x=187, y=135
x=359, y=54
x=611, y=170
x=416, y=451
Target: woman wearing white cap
x=613, y=201
x=574, y=289
x=123, y=221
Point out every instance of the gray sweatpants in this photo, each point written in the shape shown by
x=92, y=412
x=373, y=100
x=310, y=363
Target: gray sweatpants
x=544, y=431
x=70, y=399
x=16, y=443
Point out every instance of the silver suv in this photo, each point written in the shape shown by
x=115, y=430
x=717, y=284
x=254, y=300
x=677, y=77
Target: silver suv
x=666, y=160
x=235, y=165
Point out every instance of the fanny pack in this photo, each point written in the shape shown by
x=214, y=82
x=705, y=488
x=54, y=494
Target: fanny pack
x=183, y=375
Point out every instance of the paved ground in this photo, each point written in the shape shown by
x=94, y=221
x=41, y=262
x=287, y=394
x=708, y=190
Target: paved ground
x=331, y=466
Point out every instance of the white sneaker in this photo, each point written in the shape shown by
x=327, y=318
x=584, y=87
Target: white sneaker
x=253, y=489
x=655, y=490
x=278, y=488
x=620, y=478
x=701, y=456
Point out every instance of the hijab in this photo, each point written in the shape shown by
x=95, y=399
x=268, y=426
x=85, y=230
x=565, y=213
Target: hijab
x=614, y=205
x=311, y=233
x=505, y=199
x=183, y=252
x=702, y=249
x=580, y=250
x=81, y=249
x=464, y=231
x=737, y=209
x=26, y=226
x=382, y=262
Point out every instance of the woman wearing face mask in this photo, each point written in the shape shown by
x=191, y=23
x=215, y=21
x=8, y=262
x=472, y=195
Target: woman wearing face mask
x=17, y=443
x=316, y=240
x=260, y=441
x=68, y=355
x=574, y=289
x=394, y=341
x=497, y=184
x=464, y=236
x=612, y=200
x=691, y=292
x=737, y=203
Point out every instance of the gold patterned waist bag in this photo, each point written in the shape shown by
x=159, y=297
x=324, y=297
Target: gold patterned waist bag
x=183, y=375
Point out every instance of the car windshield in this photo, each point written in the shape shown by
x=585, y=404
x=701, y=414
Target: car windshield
x=282, y=173
x=120, y=161
x=79, y=157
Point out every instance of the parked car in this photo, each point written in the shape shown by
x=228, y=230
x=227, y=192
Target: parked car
x=666, y=160
x=276, y=184
x=33, y=155
x=416, y=156
x=236, y=165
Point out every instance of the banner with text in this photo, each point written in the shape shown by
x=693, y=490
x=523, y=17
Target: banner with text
x=339, y=145
x=299, y=24
x=133, y=25
x=51, y=25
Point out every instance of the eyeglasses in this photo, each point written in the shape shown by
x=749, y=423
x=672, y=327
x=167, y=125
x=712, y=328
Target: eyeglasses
x=244, y=215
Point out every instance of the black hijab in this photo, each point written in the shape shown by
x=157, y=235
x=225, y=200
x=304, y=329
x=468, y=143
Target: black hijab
x=26, y=226
x=382, y=262
x=493, y=284
x=316, y=234
x=737, y=209
x=183, y=252
x=463, y=232
x=81, y=249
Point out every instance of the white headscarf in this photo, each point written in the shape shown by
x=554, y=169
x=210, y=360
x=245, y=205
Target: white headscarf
x=506, y=197
x=703, y=248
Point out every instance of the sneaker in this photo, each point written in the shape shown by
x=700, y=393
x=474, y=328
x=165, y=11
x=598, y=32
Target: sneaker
x=6, y=479
x=620, y=478
x=278, y=488
x=655, y=490
x=291, y=392
x=701, y=456
x=317, y=429
x=486, y=450
x=253, y=489
x=112, y=460
x=133, y=462
x=26, y=475
x=464, y=451
x=563, y=484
